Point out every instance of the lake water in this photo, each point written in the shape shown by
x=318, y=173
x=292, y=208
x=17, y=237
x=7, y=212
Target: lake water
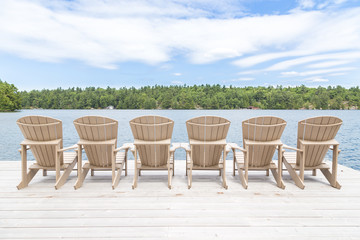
x=348, y=136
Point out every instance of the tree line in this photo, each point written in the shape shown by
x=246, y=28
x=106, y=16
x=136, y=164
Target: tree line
x=194, y=97
x=9, y=97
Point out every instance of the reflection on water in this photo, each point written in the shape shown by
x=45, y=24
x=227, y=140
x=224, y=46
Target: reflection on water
x=348, y=136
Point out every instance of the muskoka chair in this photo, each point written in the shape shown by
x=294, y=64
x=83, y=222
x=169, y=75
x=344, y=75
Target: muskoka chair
x=151, y=148
x=261, y=137
x=314, y=138
x=98, y=137
x=43, y=136
x=207, y=148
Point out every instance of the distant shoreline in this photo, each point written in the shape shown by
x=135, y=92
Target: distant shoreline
x=194, y=97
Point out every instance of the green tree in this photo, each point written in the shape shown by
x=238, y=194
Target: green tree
x=9, y=97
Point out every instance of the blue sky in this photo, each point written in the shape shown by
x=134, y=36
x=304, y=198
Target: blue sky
x=79, y=43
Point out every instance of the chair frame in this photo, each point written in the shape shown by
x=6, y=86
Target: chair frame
x=118, y=159
x=324, y=168
x=60, y=155
x=325, y=128
x=138, y=165
x=189, y=148
x=241, y=163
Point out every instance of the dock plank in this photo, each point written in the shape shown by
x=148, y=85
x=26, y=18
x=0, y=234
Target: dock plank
x=153, y=211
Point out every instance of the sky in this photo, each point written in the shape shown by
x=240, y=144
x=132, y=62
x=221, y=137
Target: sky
x=125, y=43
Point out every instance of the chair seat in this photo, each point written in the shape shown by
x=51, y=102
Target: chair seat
x=162, y=167
x=239, y=156
x=199, y=167
x=291, y=159
x=120, y=159
x=69, y=158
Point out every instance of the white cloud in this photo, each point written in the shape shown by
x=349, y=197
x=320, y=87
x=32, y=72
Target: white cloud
x=337, y=74
x=105, y=33
x=303, y=60
x=316, y=79
x=327, y=64
x=177, y=74
x=306, y=4
x=249, y=72
x=177, y=82
x=316, y=72
x=242, y=79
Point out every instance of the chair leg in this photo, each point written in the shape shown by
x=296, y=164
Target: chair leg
x=224, y=179
x=314, y=172
x=117, y=176
x=234, y=160
x=92, y=172
x=44, y=172
x=29, y=176
x=126, y=163
x=267, y=172
x=170, y=174
x=189, y=174
x=278, y=180
x=135, y=179
x=244, y=181
x=65, y=174
x=81, y=178
x=329, y=177
x=293, y=174
x=173, y=167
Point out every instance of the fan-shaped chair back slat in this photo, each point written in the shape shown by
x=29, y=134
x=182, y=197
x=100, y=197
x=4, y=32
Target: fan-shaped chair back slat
x=322, y=128
x=97, y=128
x=206, y=129
x=262, y=129
x=41, y=128
x=152, y=129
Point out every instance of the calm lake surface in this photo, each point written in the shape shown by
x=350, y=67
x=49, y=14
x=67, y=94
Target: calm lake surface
x=348, y=136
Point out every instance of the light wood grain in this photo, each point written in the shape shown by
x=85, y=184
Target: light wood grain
x=43, y=136
x=207, y=139
x=314, y=138
x=261, y=138
x=98, y=137
x=152, y=140
x=154, y=212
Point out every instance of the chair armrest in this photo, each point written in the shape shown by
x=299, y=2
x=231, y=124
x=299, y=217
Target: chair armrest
x=125, y=146
x=234, y=147
x=27, y=148
x=68, y=148
x=175, y=146
x=186, y=147
x=291, y=148
x=331, y=148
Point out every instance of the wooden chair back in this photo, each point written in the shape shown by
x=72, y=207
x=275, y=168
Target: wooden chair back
x=97, y=128
x=40, y=128
x=152, y=129
x=262, y=129
x=207, y=129
x=322, y=128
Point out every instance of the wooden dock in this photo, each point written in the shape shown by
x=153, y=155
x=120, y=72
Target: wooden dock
x=153, y=211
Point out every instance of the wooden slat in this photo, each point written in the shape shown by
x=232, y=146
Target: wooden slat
x=152, y=135
x=155, y=212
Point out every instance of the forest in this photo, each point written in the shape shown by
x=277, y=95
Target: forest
x=9, y=97
x=193, y=97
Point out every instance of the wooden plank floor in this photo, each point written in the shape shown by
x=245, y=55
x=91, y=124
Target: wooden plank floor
x=153, y=211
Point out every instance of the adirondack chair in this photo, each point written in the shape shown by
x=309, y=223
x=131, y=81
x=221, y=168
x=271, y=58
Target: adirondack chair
x=207, y=142
x=43, y=136
x=261, y=137
x=98, y=137
x=314, y=138
x=152, y=151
